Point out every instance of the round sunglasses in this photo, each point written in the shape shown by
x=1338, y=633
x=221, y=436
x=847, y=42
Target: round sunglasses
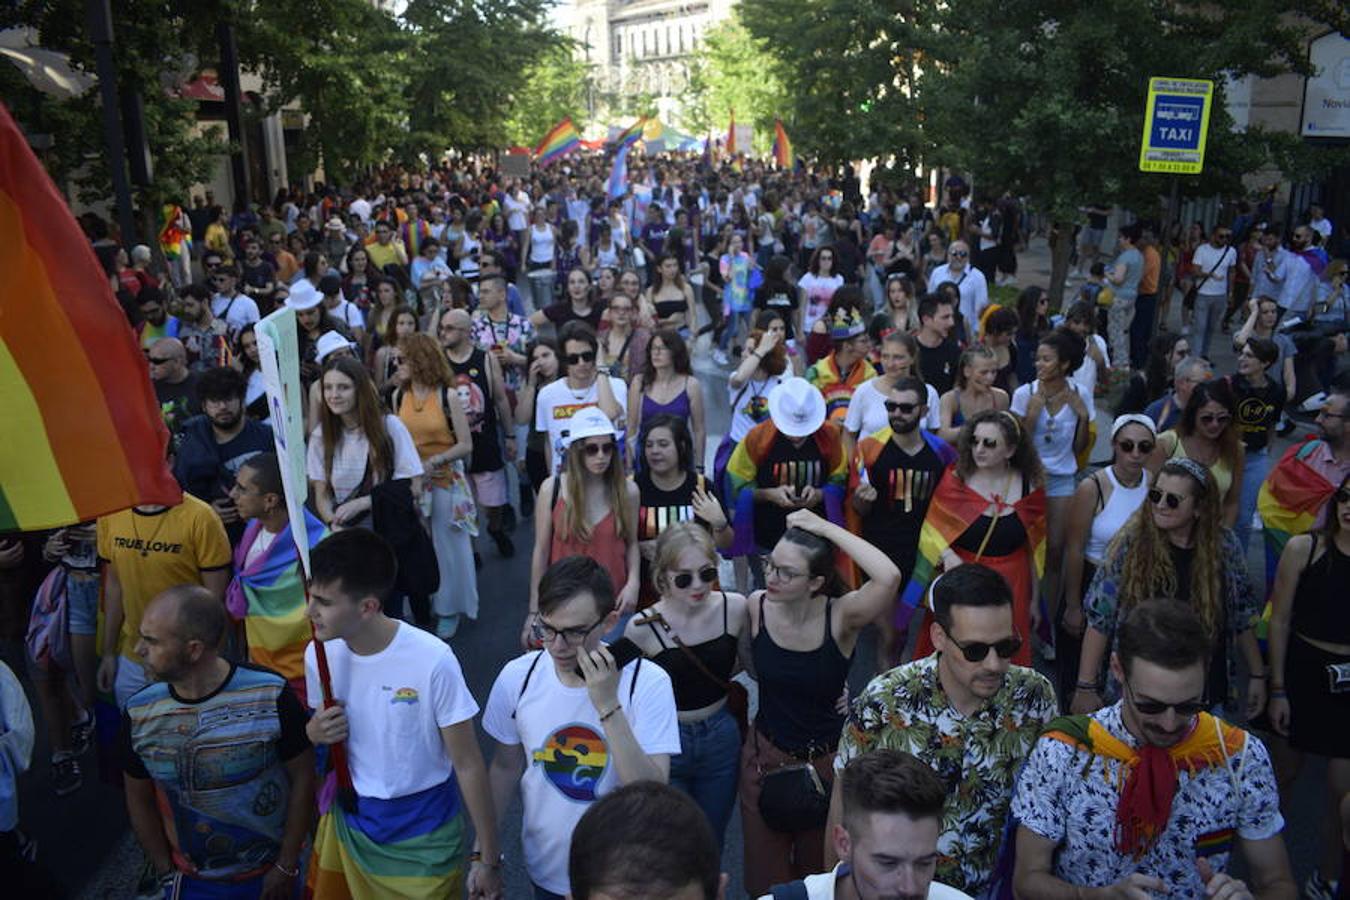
x=1129, y=446
x=707, y=575
x=1156, y=496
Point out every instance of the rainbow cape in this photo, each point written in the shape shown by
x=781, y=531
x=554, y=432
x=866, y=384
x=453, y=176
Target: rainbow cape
x=269, y=596
x=782, y=147
x=560, y=141
x=410, y=847
x=952, y=509
x=837, y=388
x=174, y=240
x=743, y=469
x=632, y=134
x=82, y=430
x=1290, y=498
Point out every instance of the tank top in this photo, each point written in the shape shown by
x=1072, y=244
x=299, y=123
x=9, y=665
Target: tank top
x=541, y=246
x=1119, y=507
x=667, y=308
x=1319, y=600
x=1222, y=472
x=798, y=690
x=693, y=688
x=605, y=545
x=1007, y=537
x=607, y=258
x=468, y=265
x=429, y=427
x=475, y=392
x=677, y=406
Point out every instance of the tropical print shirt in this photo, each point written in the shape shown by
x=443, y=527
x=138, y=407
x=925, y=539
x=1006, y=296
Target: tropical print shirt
x=977, y=756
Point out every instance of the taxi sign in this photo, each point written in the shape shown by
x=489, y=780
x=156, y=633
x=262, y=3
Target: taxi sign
x=1176, y=122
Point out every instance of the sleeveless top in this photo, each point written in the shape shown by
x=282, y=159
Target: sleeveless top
x=607, y=258
x=1105, y=524
x=606, y=545
x=468, y=264
x=541, y=246
x=430, y=429
x=667, y=308
x=475, y=393
x=798, y=690
x=1222, y=472
x=677, y=406
x=1319, y=600
x=693, y=688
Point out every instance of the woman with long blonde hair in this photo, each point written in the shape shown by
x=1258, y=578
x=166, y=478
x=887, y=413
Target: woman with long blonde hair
x=592, y=511
x=1175, y=546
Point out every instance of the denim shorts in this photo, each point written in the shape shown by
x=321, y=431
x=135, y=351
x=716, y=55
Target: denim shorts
x=1059, y=485
x=82, y=603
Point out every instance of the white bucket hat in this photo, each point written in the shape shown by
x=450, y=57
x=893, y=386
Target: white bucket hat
x=330, y=342
x=303, y=296
x=796, y=407
x=589, y=422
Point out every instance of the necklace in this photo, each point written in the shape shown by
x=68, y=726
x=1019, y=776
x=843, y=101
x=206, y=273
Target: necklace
x=1121, y=481
x=143, y=546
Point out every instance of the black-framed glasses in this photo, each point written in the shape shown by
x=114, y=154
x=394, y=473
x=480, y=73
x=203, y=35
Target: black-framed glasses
x=707, y=575
x=773, y=570
x=1157, y=495
x=978, y=651
x=547, y=634
x=904, y=409
x=1149, y=707
x=1129, y=446
x=606, y=449
x=575, y=358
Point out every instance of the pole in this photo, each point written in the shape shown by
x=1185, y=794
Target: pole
x=1164, y=304
x=99, y=17
x=229, y=81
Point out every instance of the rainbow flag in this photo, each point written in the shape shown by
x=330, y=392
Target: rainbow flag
x=1291, y=497
x=174, y=240
x=562, y=140
x=618, y=176
x=83, y=435
x=782, y=147
x=632, y=134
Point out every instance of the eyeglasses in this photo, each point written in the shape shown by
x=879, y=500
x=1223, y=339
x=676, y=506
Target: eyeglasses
x=987, y=443
x=959, y=254
x=614, y=307
x=1150, y=707
x=396, y=360
x=978, y=651
x=1342, y=496
x=1156, y=496
x=1128, y=446
x=606, y=449
x=574, y=358
x=904, y=409
x=773, y=570
x=707, y=575
x=159, y=360
x=547, y=634
x=1215, y=419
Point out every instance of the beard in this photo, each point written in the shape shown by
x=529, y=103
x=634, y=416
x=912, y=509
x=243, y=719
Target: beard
x=227, y=420
x=904, y=426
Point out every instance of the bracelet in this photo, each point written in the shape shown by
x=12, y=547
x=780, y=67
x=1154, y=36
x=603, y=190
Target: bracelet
x=477, y=857
x=1261, y=677
x=1093, y=686
x=1278, y=695
x=289, y=873
x=605, y=716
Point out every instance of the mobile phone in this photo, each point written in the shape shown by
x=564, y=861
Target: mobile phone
x=623, y=650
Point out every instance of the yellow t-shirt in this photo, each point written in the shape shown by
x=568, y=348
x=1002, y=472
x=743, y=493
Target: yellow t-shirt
x=154, y=551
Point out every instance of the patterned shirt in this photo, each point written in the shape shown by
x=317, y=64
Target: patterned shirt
x=515, y=334
x=977, y=756
x=1067, y=795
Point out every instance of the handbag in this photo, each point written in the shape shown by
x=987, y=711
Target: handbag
x=738, y=698
x=1194, y=291
x=793, y=798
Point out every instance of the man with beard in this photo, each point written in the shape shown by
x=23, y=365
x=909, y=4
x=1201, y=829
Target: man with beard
x=966, y=712
x=887, y=840
x=215, y=444
x=258, y=275
x=219, y=773
x=203, y=336
x=155, y=321
x=893, y=476
x=1149, y=796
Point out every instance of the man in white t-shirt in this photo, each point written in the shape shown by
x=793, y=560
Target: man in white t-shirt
x=969, y=280
x=1212, y=266
x=405, y=717
x=569, y=724
x=580, y=387
x=887, y=839
x=235, y=309
x=337, y=306
x=1318, y=222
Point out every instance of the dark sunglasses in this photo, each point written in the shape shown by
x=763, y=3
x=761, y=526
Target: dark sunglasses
x=574, y=358
x=987, y=443
x=959, y=254
x=905, y=409
x=1213, y=419
x=707, y=575
x=1129, y=446
x=978, y=651
x=1147, y=707
x=159, y=360
x=1156, y=496
x=1342, y=496
x=598, y=449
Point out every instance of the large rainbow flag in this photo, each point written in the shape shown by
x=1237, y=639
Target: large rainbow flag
x=632, y=134
x=560, y=141
x=1291, y=497
x=782, y=147
x=83, y=435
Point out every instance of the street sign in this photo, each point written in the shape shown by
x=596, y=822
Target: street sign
x=1176, y=122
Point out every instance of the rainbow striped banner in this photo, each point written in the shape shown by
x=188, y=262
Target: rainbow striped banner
x=560, y=141
x=782, y=147
x=632, y=134
x=82, y=430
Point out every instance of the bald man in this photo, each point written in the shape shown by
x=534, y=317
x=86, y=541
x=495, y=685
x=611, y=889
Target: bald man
x=221, y=748
x=175, y=384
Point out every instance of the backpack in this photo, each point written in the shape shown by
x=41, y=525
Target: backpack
x=48, y=638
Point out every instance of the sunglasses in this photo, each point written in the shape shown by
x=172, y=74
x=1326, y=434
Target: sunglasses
x=605, y=449
x=1156, y=496
x=1212, y=419
x=1129, y=446
x=987, y=443
x=159, y=360
x=574, y=358
x=1148, y=707
x=1342, y=496
x=707, y=575
x=905, y=409
x=959, y=254
x=978, y=651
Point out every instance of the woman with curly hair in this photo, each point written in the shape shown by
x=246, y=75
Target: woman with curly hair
x=1174, y=546
x=1208, y=433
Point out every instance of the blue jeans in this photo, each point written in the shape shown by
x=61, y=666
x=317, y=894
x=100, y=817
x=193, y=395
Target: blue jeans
x=1209, y=310
x=541, y=894
x=708, y=766
x=732, y=328
x=1255, y=470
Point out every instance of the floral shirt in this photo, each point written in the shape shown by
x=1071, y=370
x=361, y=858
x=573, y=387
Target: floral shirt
x=1067, y=795
x=515, y=334
x=977, y=756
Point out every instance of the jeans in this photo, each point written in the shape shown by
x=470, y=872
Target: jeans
x=541, y=288
x=1209, y=310
x=708, y=767
x=1255, y=469
x=1141, y=330
x=732, y=328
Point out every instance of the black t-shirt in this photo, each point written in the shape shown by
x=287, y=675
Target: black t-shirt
x=1258, y=410
x=904, y=485
x=1183, y=560
x=475, y=394
x=1096, y=220
x=849, y=259
x=782, y=298
x=937, y=365
x=258, y=275
x=786, y=463
x=178, y=402
x=659, y=509
x=562, y=313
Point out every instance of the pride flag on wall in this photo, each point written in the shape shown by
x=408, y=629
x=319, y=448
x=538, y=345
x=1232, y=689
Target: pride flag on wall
x=82, y=430
x=560, y=141
x=782, y=147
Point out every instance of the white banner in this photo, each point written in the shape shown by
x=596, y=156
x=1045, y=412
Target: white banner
x=279, y=353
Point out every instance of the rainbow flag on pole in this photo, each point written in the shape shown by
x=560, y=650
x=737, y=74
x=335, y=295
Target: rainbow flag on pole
x=632, y=134
x=82, y=430
x=562, y=140
x=782, y=147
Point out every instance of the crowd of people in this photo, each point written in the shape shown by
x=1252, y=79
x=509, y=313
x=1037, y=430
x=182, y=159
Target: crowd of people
x=1082, y=688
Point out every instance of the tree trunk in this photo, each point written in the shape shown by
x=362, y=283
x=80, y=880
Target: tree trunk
x=1061, y=246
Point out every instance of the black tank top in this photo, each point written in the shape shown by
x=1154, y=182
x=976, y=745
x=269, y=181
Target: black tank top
x=1319, y=600
x=798, y=690
x=475, y=394
x=1009, y=535
x=693, y=688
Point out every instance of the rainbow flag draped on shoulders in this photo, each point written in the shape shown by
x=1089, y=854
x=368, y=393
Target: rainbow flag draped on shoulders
x=410, y=847
x=83, y=435
x=561, y=140
x=837, y=387
x=175, y=240
x=269, y=597
x=782, y=147
x=1291, y=497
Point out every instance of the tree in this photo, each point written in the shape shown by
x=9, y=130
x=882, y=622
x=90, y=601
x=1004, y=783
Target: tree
x=557, y=85
x=734, y=71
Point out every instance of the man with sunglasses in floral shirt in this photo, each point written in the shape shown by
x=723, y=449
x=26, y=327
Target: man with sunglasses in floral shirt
x=967, y=712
